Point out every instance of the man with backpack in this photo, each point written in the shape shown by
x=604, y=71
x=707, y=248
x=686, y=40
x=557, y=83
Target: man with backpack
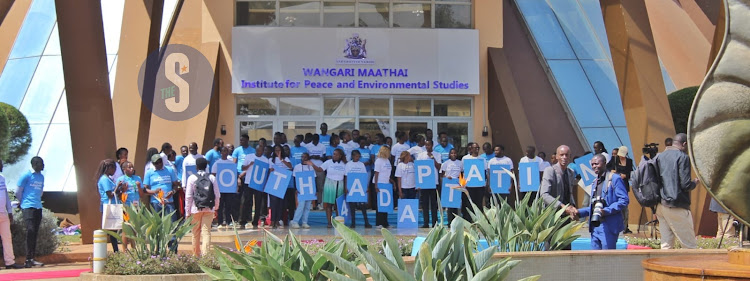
x=673, y=212
x=201, y=201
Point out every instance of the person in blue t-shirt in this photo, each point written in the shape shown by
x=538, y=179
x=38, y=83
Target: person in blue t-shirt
x=29, y=192
x=215, y=153
x=164, y=180
x=489, y=153
x=443, y=147
x=297, y=150
x=178, y=160
x=364, y=155
x=107, y=190
x=238, y=155
x=129, y=185
x=335, y=144
x=325, y=138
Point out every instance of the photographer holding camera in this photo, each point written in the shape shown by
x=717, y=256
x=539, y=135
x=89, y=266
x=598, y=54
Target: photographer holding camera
x=608, y=198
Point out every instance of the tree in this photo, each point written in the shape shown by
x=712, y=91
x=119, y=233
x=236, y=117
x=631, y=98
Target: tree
x=18, y=134
x=4, y=134
x=680, y=102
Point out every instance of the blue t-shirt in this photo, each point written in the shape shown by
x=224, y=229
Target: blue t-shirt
x=365, y=157
x=177, y=163
x=374, y=149
x=296, y=157
x=160, y=179
x=488, y=156
x=239, y=154
x=33, y=186
x=105, y=184
x=444, y=151
x=325, y=140
x=411, y=143
x=132, y=192
x=330, y=149
x=211, y=156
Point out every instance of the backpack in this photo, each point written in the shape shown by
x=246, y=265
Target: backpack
x=647, y=183
x=203, y=194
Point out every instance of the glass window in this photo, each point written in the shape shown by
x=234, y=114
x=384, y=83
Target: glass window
x=61, y=114
x=15, y=79
x=299, y=106
x=374, y=126
x=293, y=128
x=256, y=13
x=412, y=15
x=605, y=135
x=373, y=14
x=601, y=75
x=338, y=14
x=452, y=16
x=339, y=106
x=460, y=108
x=256, y=130
x=112, y=12
x=44, y=91
x=411, y=107
x=374, y=107
x=57, y=146
x=256, y=106
x=15, y=171
x=53, y=44
x=578, y=93
x=545, y=29
x=299, y=13
x=335, y=125
x=577, y=29
x=112, y=76
x=458, y=134
x=35, y=29
x=71, y=184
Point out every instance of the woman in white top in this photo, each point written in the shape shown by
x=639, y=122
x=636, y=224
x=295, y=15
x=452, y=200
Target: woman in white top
x=334, y=186
x=355, y=166
x=406, y=177
x=303, y=211
x=279, y=161
x=451, y=169
x=382, y=172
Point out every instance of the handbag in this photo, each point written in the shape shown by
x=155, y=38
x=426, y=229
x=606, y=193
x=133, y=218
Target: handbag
x=112, y=215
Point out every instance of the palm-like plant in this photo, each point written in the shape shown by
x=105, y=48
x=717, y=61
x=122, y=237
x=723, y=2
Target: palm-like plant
x=153, y=232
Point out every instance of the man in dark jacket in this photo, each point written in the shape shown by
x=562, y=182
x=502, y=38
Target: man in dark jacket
x=558, y=182
x=675, y=218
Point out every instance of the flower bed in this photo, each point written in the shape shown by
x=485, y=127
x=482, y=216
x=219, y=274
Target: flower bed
x=125, y=264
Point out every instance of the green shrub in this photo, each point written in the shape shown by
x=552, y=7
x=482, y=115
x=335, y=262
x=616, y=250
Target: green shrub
x=47, y=241
x=680, y=102
x=124, y=264
x=19, y=134
x=4, y=135
x=405, y=243
x=703, y=243
x=151, y=231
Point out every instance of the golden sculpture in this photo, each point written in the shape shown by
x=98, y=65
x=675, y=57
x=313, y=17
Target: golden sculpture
x=719, y=123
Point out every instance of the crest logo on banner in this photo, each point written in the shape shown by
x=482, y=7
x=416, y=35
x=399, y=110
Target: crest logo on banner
x=355, y=51
x=305, y=186
x=450, y=197
x=528, y=176
x=425, y=173
x=356, y=186
x=258, y=173
x=499, y=179
x=226, y=177
x=343, y=209
x=583, y=168
x=385, y=198
x=408, y=211
x=277, y=183
x=474, y=172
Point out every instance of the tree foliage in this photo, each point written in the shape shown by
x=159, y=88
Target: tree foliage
x=680, y=102
x=18, y=134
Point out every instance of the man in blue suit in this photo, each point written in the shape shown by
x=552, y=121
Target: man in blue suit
x=611, y=188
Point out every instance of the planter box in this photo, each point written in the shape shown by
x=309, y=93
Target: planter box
x=166, y=277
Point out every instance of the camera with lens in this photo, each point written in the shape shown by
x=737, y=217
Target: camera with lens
x=596, y=215
x=650, y=150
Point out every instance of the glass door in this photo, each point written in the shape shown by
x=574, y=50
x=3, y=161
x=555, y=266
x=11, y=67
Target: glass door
x=292, y=128
x=255, y=128
x=458, y=134
x=412, y=126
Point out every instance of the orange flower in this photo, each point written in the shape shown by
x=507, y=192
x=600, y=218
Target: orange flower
x=124, y=197
x=237, y=242
x=461, y=180
x=126, y=216
x=160, y=196
x=249, y=245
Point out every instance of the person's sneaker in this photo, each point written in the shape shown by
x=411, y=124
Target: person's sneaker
x=305, y=226
x=255, y=226
x=424, y=226
x=368, y=226
x=14, y=266
x=627, y=231
x=241, y=227
x=31, y=263
x=294, y=225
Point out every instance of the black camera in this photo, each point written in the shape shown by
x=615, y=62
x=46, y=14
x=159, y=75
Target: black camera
x=650, y=150
x=596, y=215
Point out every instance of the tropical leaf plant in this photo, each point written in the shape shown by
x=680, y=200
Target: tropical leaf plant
x=287, y=259
x=154, y=233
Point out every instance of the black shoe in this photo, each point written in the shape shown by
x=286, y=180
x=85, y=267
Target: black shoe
x=14, y=266
x=424, y=226
x=627, y=231
x=241, y=227
x=31, y=263
x=352, y=226
x=368, y=226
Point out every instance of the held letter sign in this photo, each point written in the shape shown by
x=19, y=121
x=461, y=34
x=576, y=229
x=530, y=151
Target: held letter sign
x=277, y=183
x=407, y=213
x=474, y=172
x=583, y=165
x=385, y=198
x=189, y=171
x=499, y=179
x=356, y=186
x=343, y=209
x=258, y=173
x=528, y=176
x=305, y=186
x=227, y=177
x=450, y=197
x=426, y=174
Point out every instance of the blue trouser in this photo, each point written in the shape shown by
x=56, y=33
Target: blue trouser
x=601, y=239
x=168, y=208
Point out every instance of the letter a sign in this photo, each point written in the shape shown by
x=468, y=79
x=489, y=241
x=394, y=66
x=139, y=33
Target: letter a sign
x=407, y=213
x=356, y=184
